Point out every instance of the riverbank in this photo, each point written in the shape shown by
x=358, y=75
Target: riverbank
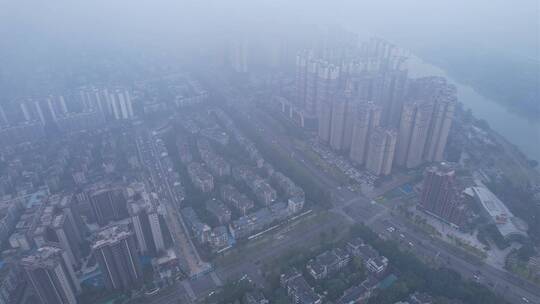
x=520, y=136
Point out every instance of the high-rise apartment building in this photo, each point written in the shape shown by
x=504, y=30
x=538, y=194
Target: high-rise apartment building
x=56, y=223
x=310, y=98
x=440, y=195
x=365, y=120
x=67, y=237
x=51, y=276
x=45, y=109
x=413, y=133
x=381, y=149
x=327, y=86
x=238, y=55
x=325, y=122
x=394, y=92
x=115, y=249
x=351, y=113
x=425, y=122
x=108, y=204
x=441, y=121
x=146, y=224
x=316, y=83
x=121, y=103
x=95, y=99
x=337, y=125
x=302, y=61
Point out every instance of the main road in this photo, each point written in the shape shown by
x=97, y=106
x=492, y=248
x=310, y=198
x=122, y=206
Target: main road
x=508, y=285
x=147, y=145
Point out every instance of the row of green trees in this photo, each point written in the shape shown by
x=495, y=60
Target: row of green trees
x=314, y=191
x=414, y=275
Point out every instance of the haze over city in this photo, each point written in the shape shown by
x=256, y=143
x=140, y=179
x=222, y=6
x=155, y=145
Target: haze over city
x=256, y=152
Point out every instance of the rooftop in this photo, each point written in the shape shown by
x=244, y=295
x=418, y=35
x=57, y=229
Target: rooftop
x=46, y=256
x=506, y=222
x=111, y=235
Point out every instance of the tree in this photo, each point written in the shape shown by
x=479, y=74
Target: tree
x=358, y=264
x=280, y=296
x=335, y=288
x=395, y=293
x=526, y=251
x=417, y=276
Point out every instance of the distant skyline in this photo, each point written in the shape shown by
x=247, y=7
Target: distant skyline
x=504, y=25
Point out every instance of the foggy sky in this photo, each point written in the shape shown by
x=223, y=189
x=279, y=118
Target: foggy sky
x=33, y=30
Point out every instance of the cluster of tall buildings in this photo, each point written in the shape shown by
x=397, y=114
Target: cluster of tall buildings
x=365, y=105
x=425, y=122
x=49, y=232
x=115, y=103
x=108, y=103
x=25, y=119
x=112, y=204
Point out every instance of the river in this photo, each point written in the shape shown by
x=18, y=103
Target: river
x=520, y=131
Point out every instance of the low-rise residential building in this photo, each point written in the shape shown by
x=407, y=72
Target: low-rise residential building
x=260, y=187
x=280, y=211
x=219, y=237
x=377, y=265
x=246, y=225
x=328, y=263
x=264, y=192
x=217, y=164
x=200, y=230
x=200, y=177
x=356, y=247
x=255, y=297
x=166, y=265
x=240, y=201
x=295, y=204
x=298, y=289
x=219, y=210
x=285, y=184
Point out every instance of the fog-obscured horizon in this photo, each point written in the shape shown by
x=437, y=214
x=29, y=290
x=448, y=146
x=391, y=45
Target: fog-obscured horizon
x=45, y=35
x=512, y=25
